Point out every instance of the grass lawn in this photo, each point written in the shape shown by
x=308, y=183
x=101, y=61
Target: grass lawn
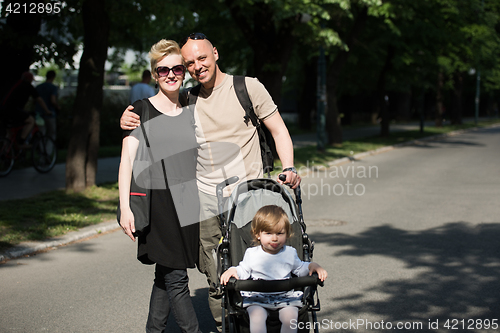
x=55, y=213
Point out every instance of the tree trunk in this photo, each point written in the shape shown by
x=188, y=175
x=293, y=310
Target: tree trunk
x=272, y=51
x=272, y=43
x=81, y=162
x=456, y=109
x=307, y=99
x=380, y=93
x=332, y=119
x=439, y=100
x=333, y=127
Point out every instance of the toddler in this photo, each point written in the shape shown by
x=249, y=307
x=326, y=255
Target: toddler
x=272, y=260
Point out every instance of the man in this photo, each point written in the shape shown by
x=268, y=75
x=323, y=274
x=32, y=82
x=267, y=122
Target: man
x=14, y=103
x=142, y=89
x=220, y=128
x=48, y=92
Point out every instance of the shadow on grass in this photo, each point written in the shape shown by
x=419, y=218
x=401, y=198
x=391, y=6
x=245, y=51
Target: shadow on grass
x=461, y=278
x=55, y=213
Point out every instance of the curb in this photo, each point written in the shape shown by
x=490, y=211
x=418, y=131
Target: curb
x=29, y=248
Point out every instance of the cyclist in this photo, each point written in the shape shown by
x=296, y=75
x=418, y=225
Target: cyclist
x=14, y=103
x=48, y=92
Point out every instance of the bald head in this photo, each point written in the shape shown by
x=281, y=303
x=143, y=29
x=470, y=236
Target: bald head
x=200, y=57
x=198, y=46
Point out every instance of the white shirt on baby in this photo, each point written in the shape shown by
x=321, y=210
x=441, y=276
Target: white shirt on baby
x=258, y=264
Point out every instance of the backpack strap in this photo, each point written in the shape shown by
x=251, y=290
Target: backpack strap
x=240, y=88
x=144, y=119
x=193, y=94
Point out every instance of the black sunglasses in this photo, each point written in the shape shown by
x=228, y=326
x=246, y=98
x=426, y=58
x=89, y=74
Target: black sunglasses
x=193, y=36
x=164, y=70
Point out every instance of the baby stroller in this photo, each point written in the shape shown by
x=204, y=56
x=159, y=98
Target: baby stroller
x=236, y=215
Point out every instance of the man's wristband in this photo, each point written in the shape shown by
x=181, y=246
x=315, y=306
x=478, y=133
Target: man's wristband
x=292, y=169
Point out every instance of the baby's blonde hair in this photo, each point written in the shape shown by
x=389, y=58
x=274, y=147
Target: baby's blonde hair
x=160, y=50
x=270, y=218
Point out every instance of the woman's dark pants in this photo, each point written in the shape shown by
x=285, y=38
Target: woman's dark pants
x=171, y=292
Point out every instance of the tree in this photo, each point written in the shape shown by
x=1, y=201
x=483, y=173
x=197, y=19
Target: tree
x=81, y=162
x=335, y=68
x=268, y=28
x=371, y=45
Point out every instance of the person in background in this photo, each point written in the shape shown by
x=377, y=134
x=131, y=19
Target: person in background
x=48, y=92
x=142, y=89
x=14, y=103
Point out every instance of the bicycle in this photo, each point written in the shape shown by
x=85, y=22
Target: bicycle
x=43, y=150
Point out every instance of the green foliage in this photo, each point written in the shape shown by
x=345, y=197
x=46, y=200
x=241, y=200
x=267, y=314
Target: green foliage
x=428, y=37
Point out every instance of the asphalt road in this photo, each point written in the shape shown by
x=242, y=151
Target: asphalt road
x=409, y=237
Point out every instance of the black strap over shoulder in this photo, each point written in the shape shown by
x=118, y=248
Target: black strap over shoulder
x=144, y=119
x=193, y=94
x=240, y=88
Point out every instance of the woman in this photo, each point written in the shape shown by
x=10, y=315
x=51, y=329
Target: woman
x=171, y=239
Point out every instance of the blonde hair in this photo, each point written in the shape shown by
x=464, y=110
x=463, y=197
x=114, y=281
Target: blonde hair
x=270, y=218
x=160, y=50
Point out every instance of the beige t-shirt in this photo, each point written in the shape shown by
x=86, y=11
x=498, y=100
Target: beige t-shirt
x=229, y=146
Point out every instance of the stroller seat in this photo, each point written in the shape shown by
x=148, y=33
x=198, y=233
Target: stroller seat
x=236, y=216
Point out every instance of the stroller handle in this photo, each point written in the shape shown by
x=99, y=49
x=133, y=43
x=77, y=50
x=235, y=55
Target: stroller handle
x=273, y=285
x=298, y=198
x=219, y=191
x=225, y=183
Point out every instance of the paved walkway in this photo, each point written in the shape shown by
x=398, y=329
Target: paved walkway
x=28, y=182
x=423, y=248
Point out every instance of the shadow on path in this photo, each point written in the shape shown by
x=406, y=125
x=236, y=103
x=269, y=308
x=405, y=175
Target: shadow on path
x=461, y=278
